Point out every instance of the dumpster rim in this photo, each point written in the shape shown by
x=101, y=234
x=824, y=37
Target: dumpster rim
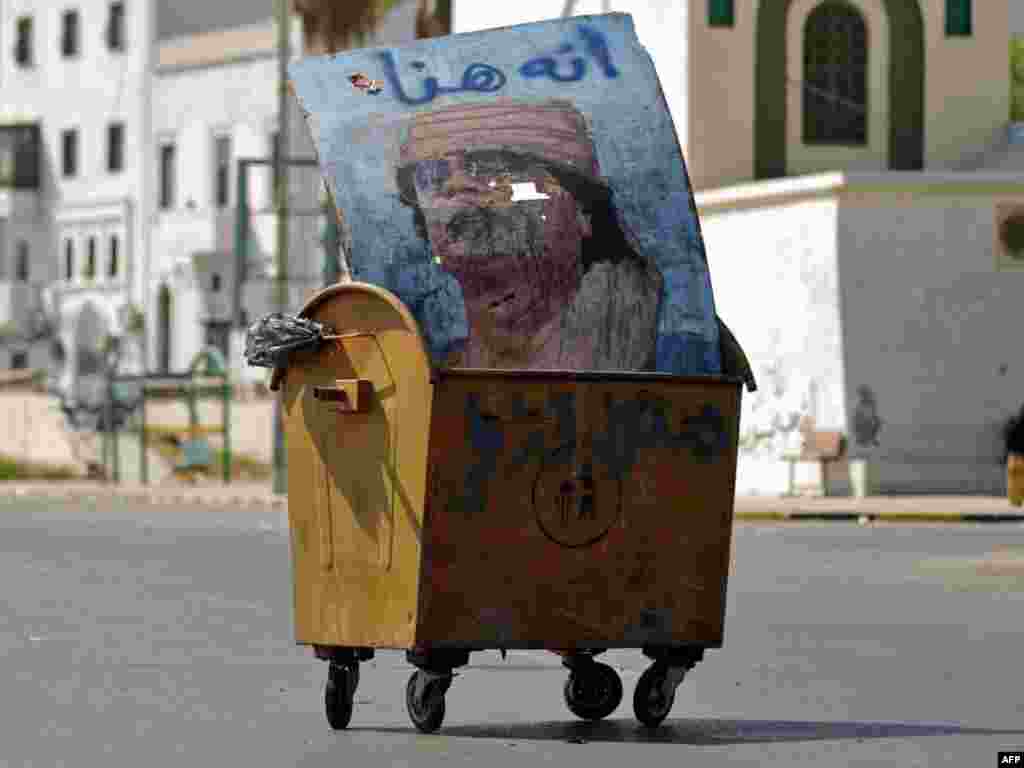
x=331, y=291
x=590, y=375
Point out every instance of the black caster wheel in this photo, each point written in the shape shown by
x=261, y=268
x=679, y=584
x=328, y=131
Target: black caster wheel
x=593, y=691
x=424, y=699
x=339, y=693
x=651, y=705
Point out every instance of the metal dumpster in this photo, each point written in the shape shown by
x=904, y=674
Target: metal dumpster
x=445, y=511
x=521, y=429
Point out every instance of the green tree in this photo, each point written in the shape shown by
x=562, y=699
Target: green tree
x=334, y=26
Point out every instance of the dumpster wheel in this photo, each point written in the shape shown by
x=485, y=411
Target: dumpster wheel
x=593, y=691
x=424, y=699
x=339, y=693
x=654, y=695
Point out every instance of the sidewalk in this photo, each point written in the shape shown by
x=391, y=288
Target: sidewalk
x=907, y=509
x=243, y=494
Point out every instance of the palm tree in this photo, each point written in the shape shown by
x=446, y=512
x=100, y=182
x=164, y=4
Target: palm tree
x=333, y=25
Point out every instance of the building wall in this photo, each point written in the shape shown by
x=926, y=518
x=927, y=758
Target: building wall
x=960, y=117
x=194, y=241
x=24, y=218
x=963, y=116
x=86, y=92
x=177, y=18
x=772, y=255
x=929, y=329
x=720, y=110
x=872, y=294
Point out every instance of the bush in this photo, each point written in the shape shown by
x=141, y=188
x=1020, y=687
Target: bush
x=15, y=469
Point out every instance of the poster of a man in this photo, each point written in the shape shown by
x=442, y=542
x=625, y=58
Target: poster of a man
x=510, y=197
x=522, y=190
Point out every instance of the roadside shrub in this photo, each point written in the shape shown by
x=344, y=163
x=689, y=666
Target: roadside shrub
x=12, y=469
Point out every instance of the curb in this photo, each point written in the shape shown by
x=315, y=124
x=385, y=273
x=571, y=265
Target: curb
x=879, y=517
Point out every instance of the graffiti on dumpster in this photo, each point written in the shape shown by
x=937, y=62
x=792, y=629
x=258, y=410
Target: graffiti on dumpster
x=528, y=214
x=578, y=485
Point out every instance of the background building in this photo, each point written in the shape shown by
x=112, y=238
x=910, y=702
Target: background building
x=75, y=112
x=856, y=168
x=122, y=123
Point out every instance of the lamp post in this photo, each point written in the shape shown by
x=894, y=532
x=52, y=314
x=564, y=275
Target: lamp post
x=280, y=480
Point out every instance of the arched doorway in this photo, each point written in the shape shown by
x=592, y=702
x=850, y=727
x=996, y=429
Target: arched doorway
x=163, y=325
x=905, y=79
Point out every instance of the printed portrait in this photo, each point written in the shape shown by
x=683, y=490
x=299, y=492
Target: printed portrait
x=523, y=192
x=511, y=199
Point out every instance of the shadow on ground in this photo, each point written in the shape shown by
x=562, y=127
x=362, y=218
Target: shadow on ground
x=706, y=732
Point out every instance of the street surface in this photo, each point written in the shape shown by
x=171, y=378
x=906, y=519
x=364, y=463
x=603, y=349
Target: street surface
x=143, y=636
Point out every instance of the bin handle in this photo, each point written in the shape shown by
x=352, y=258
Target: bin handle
x=278, y=375
x=351, y=395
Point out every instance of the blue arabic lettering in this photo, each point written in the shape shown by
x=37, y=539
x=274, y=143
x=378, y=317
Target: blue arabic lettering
x=596, y=47
x=479, y=77
x=547, y=66
x=482, y=78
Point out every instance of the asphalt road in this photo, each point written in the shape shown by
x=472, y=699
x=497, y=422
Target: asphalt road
x=153, y=637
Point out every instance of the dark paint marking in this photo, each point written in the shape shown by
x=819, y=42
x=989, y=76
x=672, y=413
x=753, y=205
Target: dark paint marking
x=632, y=426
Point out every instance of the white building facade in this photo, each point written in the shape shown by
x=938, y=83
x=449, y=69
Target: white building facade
x=122, y=125
x=855, y=169
x=76, y=82
x=215, y=104
x=885, y=294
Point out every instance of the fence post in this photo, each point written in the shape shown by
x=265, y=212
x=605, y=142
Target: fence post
x=143, y=458
x=227, y=430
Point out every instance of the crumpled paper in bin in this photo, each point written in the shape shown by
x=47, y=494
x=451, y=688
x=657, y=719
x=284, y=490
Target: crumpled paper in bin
x=273, y=338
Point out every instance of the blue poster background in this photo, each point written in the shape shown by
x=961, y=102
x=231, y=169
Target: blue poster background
x=597, y=64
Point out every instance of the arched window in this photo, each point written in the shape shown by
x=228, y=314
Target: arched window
x=112, y=265
x=90, y=259
x=835, y=96
x=69, y=259
x=21, y=268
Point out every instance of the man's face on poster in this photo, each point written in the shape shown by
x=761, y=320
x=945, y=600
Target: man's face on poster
x=510, y=233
